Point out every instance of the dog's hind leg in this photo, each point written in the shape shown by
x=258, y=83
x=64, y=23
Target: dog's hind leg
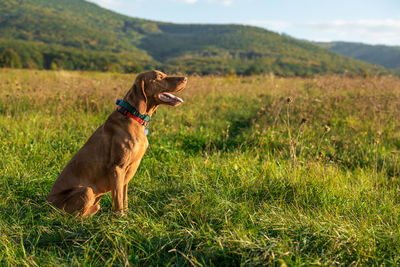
x=79, y=199
x=94, y=208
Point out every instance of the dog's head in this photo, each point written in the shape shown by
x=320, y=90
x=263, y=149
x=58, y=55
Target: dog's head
x=160, y=87
x=154, y=88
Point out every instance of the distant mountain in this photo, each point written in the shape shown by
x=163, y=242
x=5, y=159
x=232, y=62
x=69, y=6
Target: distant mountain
x=74, y=34
x=382, y=55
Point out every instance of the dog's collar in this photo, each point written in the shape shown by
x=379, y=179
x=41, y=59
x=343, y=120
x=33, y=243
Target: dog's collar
x=126, y=109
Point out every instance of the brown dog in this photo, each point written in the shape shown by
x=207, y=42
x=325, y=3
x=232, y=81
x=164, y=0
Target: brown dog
x=111, y=156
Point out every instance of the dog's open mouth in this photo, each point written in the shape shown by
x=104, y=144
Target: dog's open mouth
x=170, y=98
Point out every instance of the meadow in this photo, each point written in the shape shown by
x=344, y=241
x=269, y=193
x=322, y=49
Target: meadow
x=248, y=171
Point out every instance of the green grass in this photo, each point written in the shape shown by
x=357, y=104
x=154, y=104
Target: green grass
x=232, y=176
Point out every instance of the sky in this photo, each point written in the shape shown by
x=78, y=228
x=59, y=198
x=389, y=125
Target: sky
x=364, y=21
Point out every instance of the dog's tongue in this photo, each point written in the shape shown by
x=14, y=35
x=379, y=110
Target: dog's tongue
x=170, y=98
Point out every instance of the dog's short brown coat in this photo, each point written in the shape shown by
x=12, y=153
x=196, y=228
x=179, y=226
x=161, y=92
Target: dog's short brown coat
x=111, y=156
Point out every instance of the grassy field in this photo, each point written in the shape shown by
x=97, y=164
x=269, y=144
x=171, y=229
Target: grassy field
x=248, y=171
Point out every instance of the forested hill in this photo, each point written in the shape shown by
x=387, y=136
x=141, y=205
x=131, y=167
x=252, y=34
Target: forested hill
x=74, y=34
x=386, y=56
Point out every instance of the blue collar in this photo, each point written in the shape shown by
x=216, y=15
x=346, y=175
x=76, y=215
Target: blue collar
x=126, y=109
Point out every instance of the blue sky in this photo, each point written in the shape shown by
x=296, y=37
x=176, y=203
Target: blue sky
x=367, y=21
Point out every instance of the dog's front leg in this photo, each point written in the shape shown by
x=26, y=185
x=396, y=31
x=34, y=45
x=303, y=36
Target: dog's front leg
x=117, y=190
x=126, y=198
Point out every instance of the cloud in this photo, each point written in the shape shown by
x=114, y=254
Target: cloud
x=384, y=31
x=371, y=31
x=358, y=23
x=221, y=2
x=227, y=2
x=189, y=1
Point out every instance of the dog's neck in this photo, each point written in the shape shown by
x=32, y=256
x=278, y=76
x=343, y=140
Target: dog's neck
x=136, y=99
x=141, y=106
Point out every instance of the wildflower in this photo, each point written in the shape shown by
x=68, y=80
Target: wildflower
x=327, y=129
x=289, y=100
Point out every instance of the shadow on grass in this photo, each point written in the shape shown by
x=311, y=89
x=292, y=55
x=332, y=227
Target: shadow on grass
x=239, y=129
x=232, y=140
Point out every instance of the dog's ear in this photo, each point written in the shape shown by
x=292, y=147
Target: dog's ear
x=143, y=92
x=137, y=95
x=140, y=95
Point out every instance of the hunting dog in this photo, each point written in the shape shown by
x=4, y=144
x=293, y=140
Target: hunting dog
x=111, y=156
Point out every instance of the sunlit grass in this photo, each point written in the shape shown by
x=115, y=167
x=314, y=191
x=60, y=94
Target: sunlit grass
x=223, y=182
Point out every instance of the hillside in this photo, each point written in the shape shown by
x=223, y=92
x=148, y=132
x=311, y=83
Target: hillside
x=74, y=34
x=382, y=55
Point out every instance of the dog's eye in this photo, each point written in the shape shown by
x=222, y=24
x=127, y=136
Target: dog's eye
x=160, y=77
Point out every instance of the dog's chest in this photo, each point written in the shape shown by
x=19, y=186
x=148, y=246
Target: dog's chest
x=134, y=150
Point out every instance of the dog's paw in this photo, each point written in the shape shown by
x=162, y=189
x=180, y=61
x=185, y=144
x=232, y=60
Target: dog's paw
x=119, y=213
